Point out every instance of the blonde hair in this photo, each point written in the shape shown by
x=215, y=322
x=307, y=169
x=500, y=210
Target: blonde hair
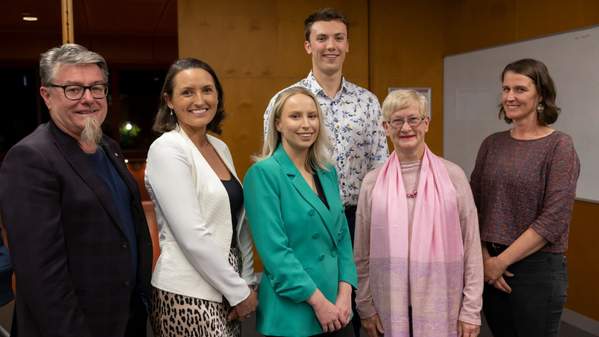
x=319, y=152
x=402, y=98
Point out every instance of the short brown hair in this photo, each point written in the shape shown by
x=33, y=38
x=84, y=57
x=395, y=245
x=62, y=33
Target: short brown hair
x=324, y=14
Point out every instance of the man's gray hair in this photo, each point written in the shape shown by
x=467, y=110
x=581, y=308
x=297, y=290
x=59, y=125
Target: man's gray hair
x=69, y=53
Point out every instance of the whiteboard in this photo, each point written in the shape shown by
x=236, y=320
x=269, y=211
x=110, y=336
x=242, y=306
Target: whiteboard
x=472, y=91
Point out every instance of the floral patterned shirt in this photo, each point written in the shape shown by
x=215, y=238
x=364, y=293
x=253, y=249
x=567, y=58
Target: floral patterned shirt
x=353, y=120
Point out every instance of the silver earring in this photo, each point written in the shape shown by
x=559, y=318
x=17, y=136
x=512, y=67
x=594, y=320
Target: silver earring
x=172, y=113
x=540, y=108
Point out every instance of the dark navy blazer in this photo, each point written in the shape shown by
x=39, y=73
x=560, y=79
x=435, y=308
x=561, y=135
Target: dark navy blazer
x=70, y=254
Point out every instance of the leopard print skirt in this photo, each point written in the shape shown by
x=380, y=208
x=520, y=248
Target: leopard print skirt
x=175, y=315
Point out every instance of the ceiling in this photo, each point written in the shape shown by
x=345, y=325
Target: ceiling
x=147, y=18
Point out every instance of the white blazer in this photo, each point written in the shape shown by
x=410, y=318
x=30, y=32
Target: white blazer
x=194, y=222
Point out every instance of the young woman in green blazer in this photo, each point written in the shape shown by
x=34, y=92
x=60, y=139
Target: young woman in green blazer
x=297, y=221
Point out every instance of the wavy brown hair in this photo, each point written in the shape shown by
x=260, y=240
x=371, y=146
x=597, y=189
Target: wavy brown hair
x=538, y=73
x=165, y=121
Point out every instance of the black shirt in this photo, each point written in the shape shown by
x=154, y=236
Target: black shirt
x=121, y=196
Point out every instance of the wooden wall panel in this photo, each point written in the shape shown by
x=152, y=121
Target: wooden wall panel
x=583, y=294
x=257, y=49
x=538, y=17
x=406, y=50
x=475, y=24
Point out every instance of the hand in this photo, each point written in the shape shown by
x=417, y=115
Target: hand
x=343, y=302
x=467, y=329
x=494, y=267
x=374, y=326
x=501, y=284
x=245, y=308
x=326, y=312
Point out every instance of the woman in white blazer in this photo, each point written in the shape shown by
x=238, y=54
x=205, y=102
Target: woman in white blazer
x=204, y=278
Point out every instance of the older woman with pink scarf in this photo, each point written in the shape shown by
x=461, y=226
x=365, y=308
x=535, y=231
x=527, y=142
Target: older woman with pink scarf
x=417, y=245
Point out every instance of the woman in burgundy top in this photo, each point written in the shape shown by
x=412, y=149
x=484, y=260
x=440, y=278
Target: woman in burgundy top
x=524, y=184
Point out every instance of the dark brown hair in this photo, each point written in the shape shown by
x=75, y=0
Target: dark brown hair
x=538, y=73
x=164, y=120
x=324, y=14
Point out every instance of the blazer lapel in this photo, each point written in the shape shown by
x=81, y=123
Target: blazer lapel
x=330, y=188
x=80, y=164
x=119, y=164
x=224, y=158
x=302, y=187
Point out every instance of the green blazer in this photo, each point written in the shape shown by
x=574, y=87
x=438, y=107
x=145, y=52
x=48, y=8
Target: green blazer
x=303, y=244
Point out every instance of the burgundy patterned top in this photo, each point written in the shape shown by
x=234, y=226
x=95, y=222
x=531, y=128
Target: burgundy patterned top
x=521, y=184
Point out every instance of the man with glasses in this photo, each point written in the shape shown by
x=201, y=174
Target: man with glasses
x=77, y=232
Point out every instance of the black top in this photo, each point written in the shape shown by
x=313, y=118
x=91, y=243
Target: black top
x=320, y=191
x=235, y=192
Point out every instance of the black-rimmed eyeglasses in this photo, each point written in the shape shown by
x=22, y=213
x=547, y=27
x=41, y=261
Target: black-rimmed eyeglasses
x=413, y=122
x=75, y=92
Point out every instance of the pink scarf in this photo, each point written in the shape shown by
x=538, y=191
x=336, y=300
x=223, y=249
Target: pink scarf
x=431, y=270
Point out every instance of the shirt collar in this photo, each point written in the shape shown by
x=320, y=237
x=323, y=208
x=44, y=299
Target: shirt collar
x=316, y=88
